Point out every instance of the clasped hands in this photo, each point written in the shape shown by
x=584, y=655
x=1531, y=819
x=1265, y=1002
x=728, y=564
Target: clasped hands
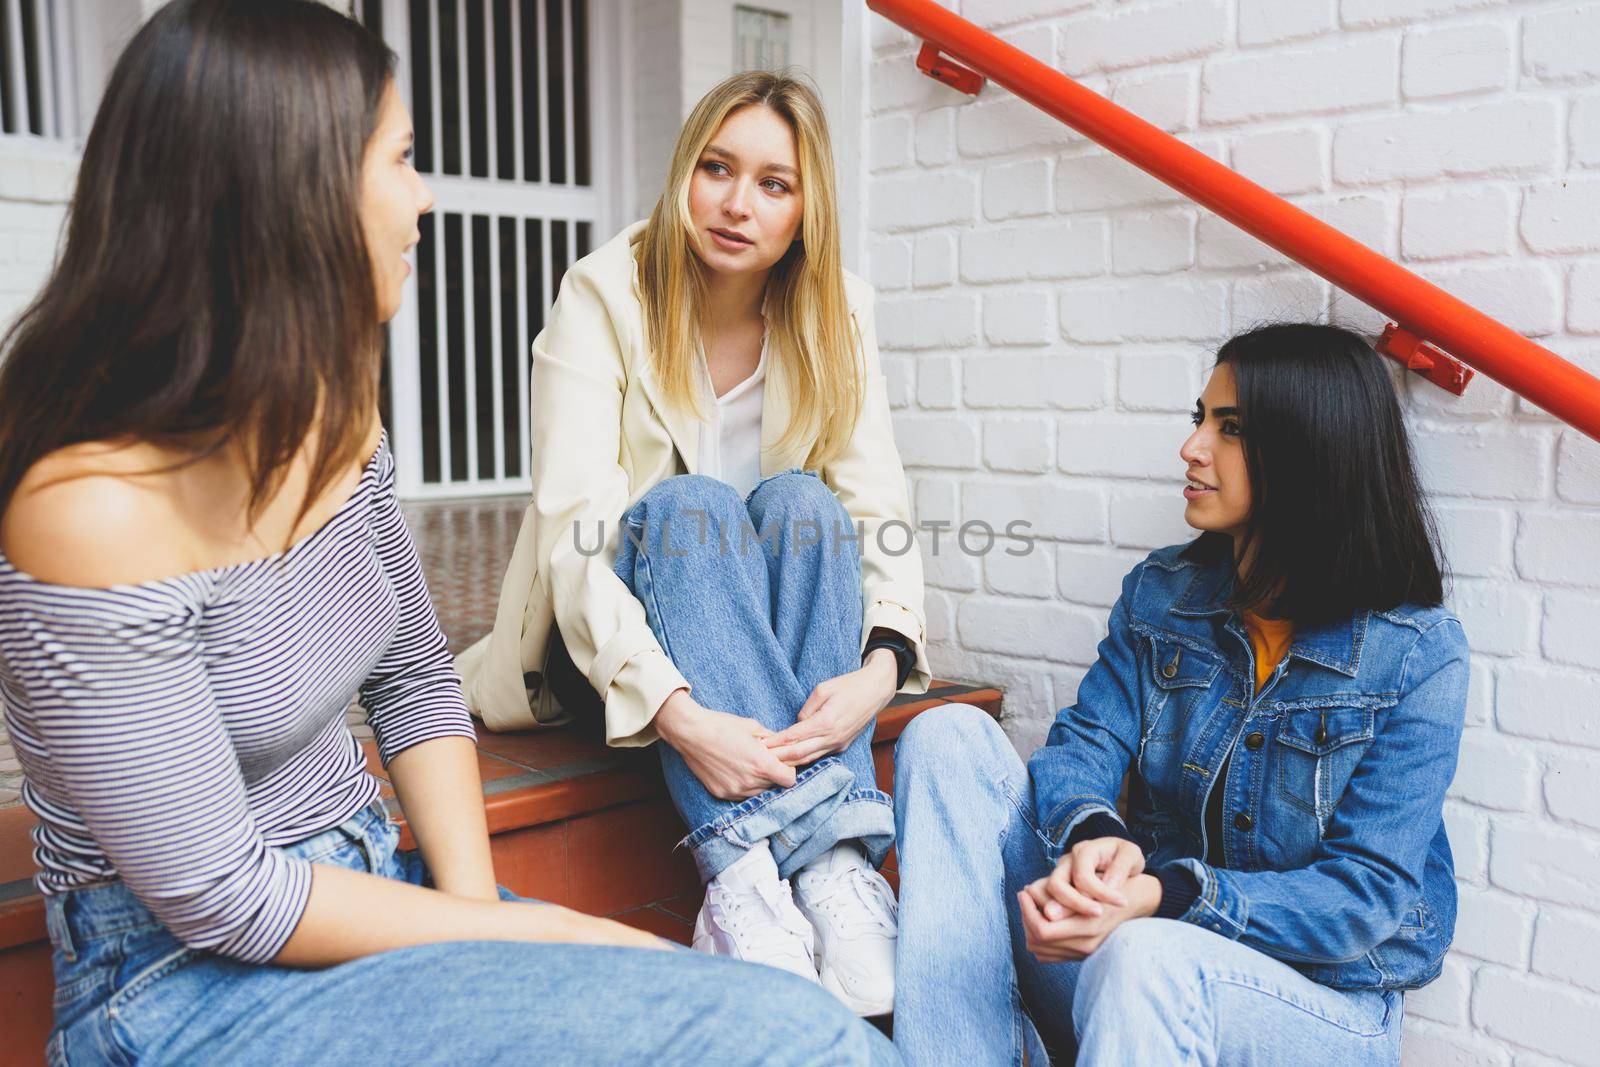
x=736, y=757
x=1095, y=888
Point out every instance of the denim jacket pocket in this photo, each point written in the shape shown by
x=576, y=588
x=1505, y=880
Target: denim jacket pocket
x=1318, y=749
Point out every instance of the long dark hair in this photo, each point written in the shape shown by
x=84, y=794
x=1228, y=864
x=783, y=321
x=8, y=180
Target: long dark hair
x=215, y=284
x=1338, y=522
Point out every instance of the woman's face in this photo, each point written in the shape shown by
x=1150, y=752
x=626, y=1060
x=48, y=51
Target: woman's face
x=1219, y=485
x=744, y=196
x=393, y=198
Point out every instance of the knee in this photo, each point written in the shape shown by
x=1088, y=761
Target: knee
x=690, y=492
x=949, y=731
x=793, y=497
x=1140, y=959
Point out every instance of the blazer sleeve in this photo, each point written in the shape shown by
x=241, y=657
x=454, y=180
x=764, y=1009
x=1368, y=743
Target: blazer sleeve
x=580, y=489
x=870, y=482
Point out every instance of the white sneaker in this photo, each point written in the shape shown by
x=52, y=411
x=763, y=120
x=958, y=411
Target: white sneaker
x=853, y=912
x=750, y=915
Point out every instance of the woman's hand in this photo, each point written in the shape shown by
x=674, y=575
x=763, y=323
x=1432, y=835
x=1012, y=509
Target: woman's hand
x=837, y=710
x=1094, y=872
x=1080, y=933
x=725, y=752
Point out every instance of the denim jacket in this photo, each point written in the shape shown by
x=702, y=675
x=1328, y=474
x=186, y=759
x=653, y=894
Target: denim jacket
x=1334, y=851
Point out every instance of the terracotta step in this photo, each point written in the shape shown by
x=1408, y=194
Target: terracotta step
x=573, y=823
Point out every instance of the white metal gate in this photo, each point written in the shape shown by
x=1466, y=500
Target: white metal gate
x=503, y=98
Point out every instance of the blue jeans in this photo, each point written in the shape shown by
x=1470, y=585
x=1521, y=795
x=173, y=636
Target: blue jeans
x=756, y=601
x=1156, y=991
x=128, y=992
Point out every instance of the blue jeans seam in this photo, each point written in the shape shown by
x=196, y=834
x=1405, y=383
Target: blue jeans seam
x=1245, y=982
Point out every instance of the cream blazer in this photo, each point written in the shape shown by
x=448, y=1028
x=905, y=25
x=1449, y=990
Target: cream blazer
x=603, y=434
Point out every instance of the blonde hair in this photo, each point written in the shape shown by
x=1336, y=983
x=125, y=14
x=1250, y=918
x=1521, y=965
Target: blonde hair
x=808, y=319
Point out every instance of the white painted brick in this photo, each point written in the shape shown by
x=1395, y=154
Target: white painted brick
x=1157, y=381
x=1018, y=318
x=1047, y=631
x=1524, y=296
x=1124, y=448
x=946, y=566
x=1272, y=21
x=1578, y=468
x=938, y=382
x=1502, y=620
x=900, y=375
x=1099, y=181
x=992, y=13
x=938, y=499
x=894, y=83
x=1074, y=249
x=1092, y=574
x=1056, y=512
x=1285, y=161
x=1148, y=518
x=1428, y=1046
x=1458, y=223
x=927, y=441
x=1016, y=190
x=947, y=321
x=1515, y=136
x=1480, y=692
x=1572, y=624
x=936, y=137
x=1572, y=788
x=1547, y=703
x=1168, y=99
x=925, y=200
x=1444, y=1000
x=1067, y=381
x=934, y=260
x=1537, y=1013
x=1468, y=830
x=890, y=263
x=888, y=142
x=1583, y=130
x=1342, y=76
x=1558, y=46
x=940, y=612
x=1008, y=125
x=1030, y=575
x=1496, y=772
x=1545, y=862
x=1499, y=464
x=1387, y=12
x=1132, y=36
x=1153, y=243
x=1477, y=540
x=1282, y=296
x=1551, y=544
x=1453, y=59
x=1583, y=297
x=1021, y=445
x=1562, y=216
x=1145, y=310
x=1493, y=926
x=1567, y=947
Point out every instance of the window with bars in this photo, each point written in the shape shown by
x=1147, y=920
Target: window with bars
x=500, y=99
x=37, y=58
x=760, y=39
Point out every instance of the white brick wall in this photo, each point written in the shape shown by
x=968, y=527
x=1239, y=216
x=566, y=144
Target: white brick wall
x=1043, y=375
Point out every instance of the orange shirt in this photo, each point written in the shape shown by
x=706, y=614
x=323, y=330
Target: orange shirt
x=1269, y=640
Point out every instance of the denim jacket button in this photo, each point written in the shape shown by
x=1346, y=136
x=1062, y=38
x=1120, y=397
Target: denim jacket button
x=1169, y=671
x=1244, y=822
x=1254, y=740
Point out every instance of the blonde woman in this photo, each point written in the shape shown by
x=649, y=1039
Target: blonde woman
x=718, y=551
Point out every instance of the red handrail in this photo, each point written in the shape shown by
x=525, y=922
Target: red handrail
x=1424, y=311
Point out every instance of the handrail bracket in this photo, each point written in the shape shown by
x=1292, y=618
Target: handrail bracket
x=1420, y=357
x=953, y=74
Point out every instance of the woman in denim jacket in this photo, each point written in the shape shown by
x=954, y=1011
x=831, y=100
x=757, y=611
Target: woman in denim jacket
x=1283, y=697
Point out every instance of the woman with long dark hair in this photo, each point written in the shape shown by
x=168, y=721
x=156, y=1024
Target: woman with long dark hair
x=1283, y=697
x=204, y=562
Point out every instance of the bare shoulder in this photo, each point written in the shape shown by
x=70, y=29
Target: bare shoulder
x=96, y=515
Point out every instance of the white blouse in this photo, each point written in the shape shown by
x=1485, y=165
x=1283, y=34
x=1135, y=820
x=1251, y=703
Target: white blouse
x=730, y=444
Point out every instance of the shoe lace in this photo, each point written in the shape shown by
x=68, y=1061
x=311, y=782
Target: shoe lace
x=758, y=916
x=854, y=900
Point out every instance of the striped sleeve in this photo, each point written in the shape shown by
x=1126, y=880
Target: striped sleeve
x=413, y=694
x=122, y=703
